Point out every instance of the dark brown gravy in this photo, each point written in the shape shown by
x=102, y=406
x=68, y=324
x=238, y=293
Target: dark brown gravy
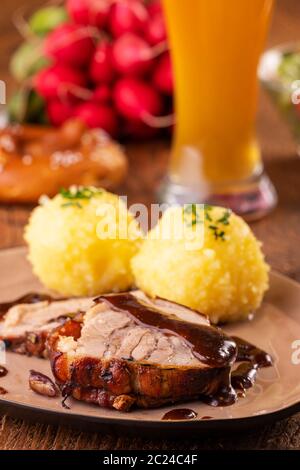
x=3, y=371
x=31, y=298
x=244, y=376
x=250, y=353
x=210, y=345
x=225, y=396
x=179, y=414
x=66, y=392
x=3, y=391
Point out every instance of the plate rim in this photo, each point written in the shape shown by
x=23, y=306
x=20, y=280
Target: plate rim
x=188, y=425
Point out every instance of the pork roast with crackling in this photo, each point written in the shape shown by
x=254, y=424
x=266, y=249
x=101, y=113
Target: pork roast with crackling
x=130, y=350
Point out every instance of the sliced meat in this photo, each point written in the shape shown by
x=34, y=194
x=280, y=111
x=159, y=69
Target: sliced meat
x=153, y=351
x=30, y=298
x=26, y=326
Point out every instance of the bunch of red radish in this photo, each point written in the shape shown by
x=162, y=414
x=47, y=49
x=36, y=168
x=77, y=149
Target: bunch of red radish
x=110, y=66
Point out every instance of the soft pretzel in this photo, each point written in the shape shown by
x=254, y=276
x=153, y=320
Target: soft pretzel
x=36, y=160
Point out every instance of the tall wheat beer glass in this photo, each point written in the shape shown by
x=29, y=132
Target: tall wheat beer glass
x=215, y=158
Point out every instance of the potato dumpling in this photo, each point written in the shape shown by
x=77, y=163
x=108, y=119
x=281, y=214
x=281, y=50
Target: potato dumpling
x=218, y=269
x=81, y=242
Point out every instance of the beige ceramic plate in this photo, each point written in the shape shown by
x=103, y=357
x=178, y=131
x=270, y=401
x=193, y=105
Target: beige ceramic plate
x=276, y=328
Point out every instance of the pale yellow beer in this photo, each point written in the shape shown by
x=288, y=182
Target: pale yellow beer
x=215, y=46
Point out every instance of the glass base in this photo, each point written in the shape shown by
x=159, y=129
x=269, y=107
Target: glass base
x=252, y=199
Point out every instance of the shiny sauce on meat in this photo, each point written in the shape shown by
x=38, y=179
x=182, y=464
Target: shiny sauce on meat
x=179, y=414
x=31, y=298
x=210, y=345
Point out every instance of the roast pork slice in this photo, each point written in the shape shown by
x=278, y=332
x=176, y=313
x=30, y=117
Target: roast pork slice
x=25, y=326
x=152, y=351
x=114, y=334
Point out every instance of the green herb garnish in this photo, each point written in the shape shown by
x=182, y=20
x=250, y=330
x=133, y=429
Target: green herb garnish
x=207, y=216
x=72, y=204
x=78, y=192
x=217, y=233
x=225, y=218
x=192, y=216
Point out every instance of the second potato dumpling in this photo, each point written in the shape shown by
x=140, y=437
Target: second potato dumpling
x=218, y=270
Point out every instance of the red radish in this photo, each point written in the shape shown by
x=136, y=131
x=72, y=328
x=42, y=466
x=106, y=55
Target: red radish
x=98, y=12
x=57, y=81
x=89, y=12
x=96, y=115
x=127, y=16
x=131, y=55
x=135, y=99
x=156, y=30
x=70, y=44
x=59, y=111
x=101, y=68
x=162, y=76
x=79, y=11
x=154, y=7
x=102, y=94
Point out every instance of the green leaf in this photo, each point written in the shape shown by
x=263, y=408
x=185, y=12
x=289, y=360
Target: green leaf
x=28, y=60
x=46, y=19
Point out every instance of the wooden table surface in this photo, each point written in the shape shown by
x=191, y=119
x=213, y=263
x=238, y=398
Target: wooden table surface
x=279, y=232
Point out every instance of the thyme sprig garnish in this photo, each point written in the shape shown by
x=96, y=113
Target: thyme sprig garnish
x=217, y=232
x=80, y=192
x=74, y=193
x=207, y=209
x=72, y=204
x=192, y=215
x=195, y=213
x=225, y=218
